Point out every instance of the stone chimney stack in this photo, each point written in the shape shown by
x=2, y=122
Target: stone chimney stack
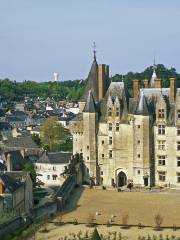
x=103, y=80
x=136, y=88
x=145, y=83
x=9, y=162
x=172, y=89
x=158, y=83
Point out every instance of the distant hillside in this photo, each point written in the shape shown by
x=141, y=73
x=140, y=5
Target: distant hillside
x=73, y=89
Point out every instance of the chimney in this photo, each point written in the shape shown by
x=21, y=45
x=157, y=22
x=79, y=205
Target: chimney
x=9, y=162
x=172, y=89
x=101, y=80
x=145, y=83
x=158, y=83
x=136, y=88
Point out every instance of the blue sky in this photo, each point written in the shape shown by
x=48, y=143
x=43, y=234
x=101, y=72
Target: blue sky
x=39, y=37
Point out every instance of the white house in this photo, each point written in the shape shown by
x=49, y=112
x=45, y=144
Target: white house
x=50, y=166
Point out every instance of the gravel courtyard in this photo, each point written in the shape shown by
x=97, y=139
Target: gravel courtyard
x=140, y=206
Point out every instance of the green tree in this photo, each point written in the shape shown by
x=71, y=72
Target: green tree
x=36, y=139
x=53, y=134
x=30, y=168
x=95, y=235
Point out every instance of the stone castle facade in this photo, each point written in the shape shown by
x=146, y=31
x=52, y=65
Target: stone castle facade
x=128, y=139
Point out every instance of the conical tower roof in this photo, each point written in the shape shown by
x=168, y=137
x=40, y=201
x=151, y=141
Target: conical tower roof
x=92, y=82
x=90, y=103
x=142, y=108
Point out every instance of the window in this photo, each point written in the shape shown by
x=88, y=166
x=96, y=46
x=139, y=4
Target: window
x=87, y=158
x=110, y=153
x=162, y=176
x=139, y=171
x=101, y=172
x=48, y=177
x=109, y=112
x=161, y=113
x=139, y=155
x=87, y=147
x=178, y=177
x=178, y=113
x=54, y=168
x=178, y=146
x=139, y=141
x=178, y=131
x=54, y=177
x=102, y=155
x=117, y=112
x=110, y=126
x=161, y=160
x=138, y=126
x=117, y=126
x=178, y=161
x=102, y=142
x=110, y=140
x=161, y=129
x=161, y=145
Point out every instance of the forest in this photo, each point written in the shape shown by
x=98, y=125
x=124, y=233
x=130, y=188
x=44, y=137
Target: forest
x=71, y=90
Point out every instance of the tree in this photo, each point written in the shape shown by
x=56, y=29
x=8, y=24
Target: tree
x=53, y=134
x=30, y=168
x=95, y=235
x=158, y=221
x=36, y=139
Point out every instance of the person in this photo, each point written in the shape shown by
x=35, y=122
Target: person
x=129, y=186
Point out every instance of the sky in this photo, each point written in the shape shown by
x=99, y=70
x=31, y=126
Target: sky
x=39, y=37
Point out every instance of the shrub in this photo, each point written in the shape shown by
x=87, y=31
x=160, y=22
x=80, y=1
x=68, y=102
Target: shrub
x=95, y=235
x=158, y=221
x=90, y=220
x=125, y=219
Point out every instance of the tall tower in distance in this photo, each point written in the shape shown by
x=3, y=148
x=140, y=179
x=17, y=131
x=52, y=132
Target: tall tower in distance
x=56, y=76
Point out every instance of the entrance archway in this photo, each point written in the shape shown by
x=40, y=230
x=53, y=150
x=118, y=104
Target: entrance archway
x=122, y=179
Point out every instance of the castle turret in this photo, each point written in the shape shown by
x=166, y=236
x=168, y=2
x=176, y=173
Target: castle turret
x=142, y=142
x=90, y=138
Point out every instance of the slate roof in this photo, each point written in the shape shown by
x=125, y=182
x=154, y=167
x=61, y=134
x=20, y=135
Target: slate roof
x=4, y=126
x=142, y=108
x=17, y=159
x=115, y=90
x=92, y=83
x=10, y=184
x=90, y=103
x=55, y=158
x=20, y=142
x=2, y=114
x=13, y=118
x=2, y=167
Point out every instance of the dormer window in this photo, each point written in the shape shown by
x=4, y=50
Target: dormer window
x=178, y=113
x=161, y=113
x=117, y=112
x=110, y=126
x=109, y=112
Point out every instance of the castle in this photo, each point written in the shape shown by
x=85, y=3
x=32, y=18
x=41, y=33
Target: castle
x=128, y=139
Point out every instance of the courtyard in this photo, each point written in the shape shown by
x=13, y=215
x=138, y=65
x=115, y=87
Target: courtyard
x=141, y=207
x=103, y=205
